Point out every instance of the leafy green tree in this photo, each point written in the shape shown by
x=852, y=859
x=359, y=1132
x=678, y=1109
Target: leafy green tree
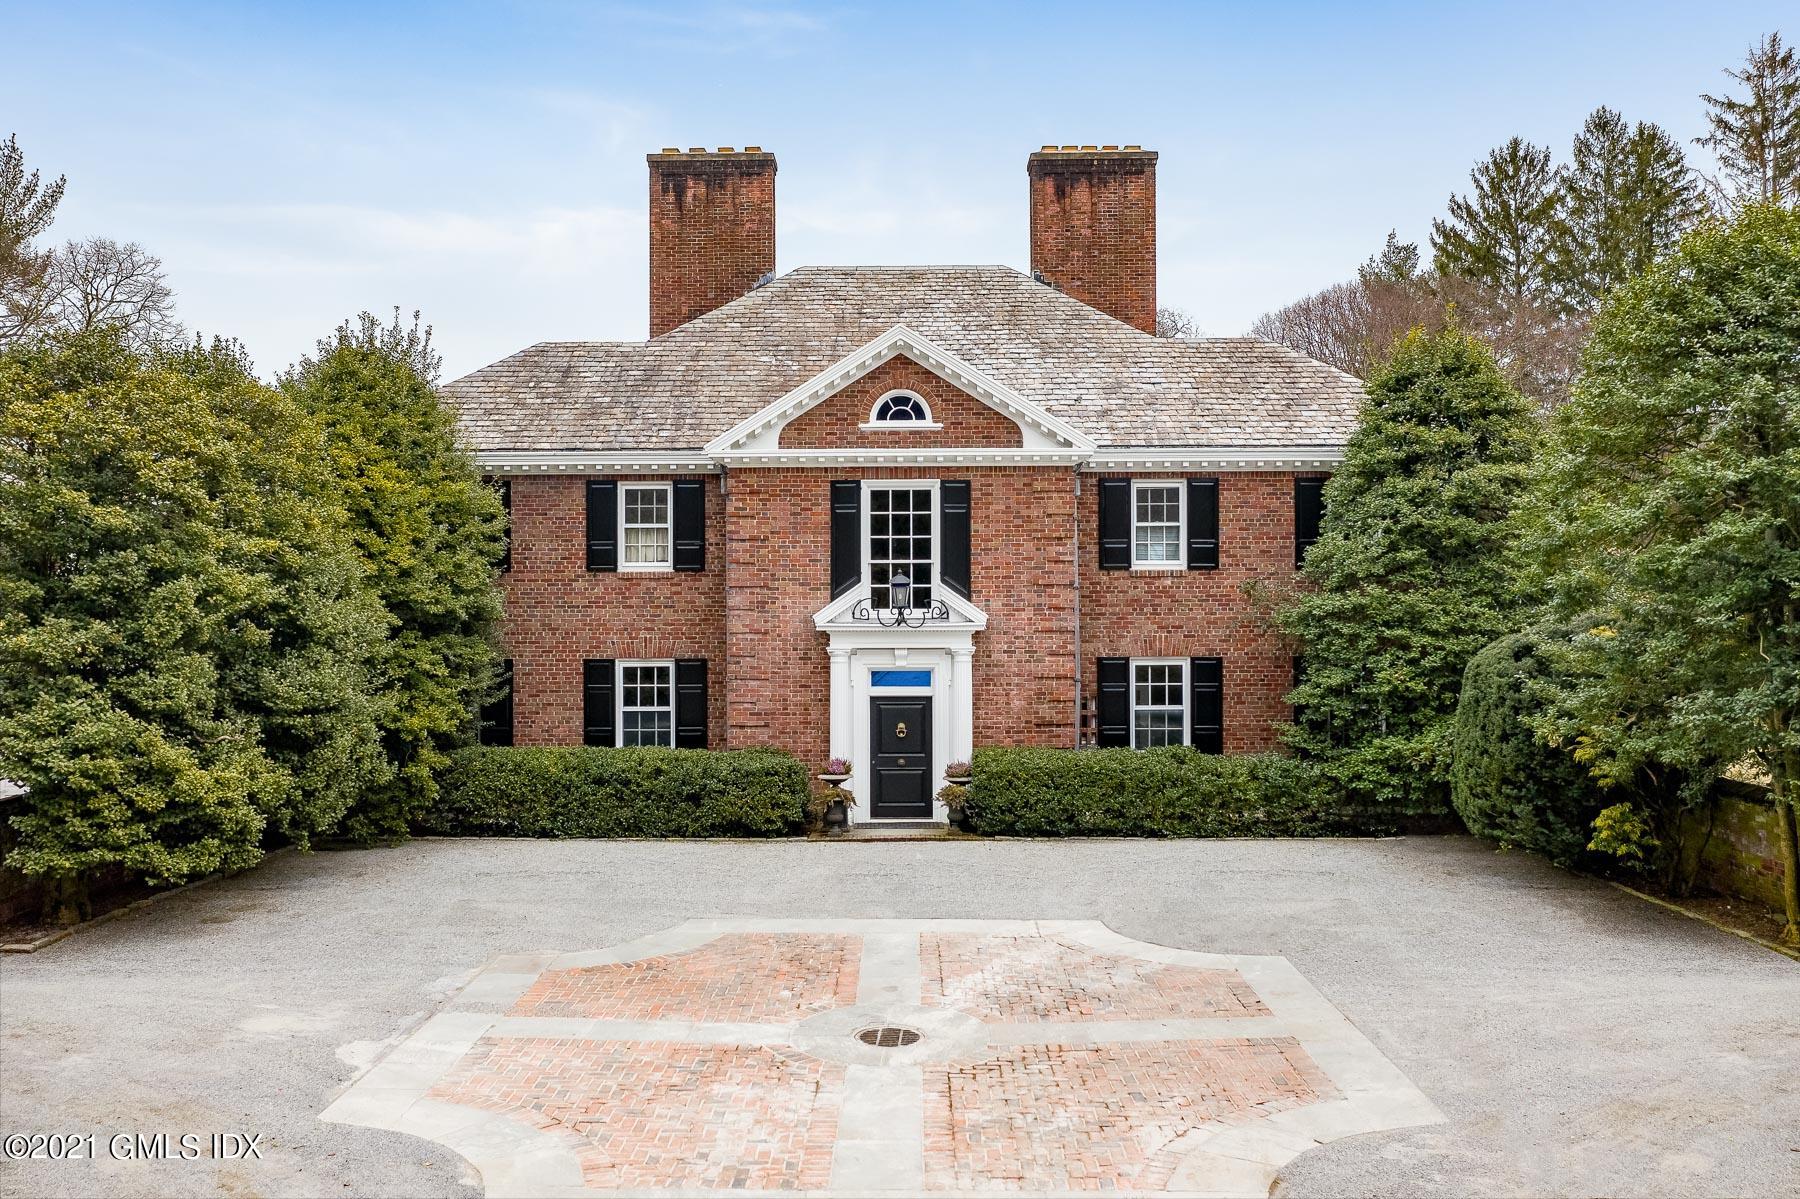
x=1669, y=500
x=1412, y=573
x=430, y=536
x=1499, y=238
x=1757, y=139
x=1626, y=198
x=183, y=626
x=27, y=206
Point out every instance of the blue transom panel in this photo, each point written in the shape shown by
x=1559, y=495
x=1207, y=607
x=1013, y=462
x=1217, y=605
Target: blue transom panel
x=899, y=678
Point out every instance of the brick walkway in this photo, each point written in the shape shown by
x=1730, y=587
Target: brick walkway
x=1050, y=1058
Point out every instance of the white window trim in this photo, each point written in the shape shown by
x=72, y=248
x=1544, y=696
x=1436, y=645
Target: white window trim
x=1185, y=691
x=665, y=566
x=619, y=697
x=872, y=424
x=1180, y=486
x=937, y=525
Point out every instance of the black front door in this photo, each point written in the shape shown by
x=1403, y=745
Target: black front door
x=900, y=756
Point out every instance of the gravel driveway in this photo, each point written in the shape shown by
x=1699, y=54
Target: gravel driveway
x=1579, y=1041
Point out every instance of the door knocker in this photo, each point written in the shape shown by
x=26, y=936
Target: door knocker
x=900, y=729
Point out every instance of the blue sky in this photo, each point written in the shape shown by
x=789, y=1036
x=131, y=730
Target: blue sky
x=485, y=163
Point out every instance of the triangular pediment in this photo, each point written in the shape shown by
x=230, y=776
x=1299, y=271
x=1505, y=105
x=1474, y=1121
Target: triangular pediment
x=1040, y=431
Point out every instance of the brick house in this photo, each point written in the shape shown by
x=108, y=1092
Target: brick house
x=892, y=513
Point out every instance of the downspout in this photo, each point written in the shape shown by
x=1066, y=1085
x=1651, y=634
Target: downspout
x=1076, y=578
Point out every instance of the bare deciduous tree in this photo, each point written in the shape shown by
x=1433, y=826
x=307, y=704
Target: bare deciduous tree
x=101, y=282
x=1175, y=322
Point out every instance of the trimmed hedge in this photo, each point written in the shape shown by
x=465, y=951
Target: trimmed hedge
x=1504, y=782
x=1173, y=792
x=590, y=792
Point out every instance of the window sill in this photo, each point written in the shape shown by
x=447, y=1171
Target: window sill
x=899, y=426
x=1153, y=568
x=646, y=570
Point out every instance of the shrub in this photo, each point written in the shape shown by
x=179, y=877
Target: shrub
x=1504, y=782
x=1174, y=792
x=589, y=792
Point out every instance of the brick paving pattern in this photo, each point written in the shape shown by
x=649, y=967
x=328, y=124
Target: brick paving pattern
x=1099, y=1118
x=739, y=976
x=662, y=1114
x=1020, y=979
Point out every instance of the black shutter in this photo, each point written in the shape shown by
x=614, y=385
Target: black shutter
x=598, y=723
x=1115, y=524
x=846, y=535
x=953, y=513
x=504, y=487
x=690, y=703
x=1114, y=678
x=1206, y=706
x=690, y=524
x=602, y=525
x=496, y=719
x=1309, y=511
x=1203, y=524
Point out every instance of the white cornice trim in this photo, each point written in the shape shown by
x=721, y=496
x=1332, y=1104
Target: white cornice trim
x=1225, y=458
x=898, y=457
x=761, y=433
x=612, y=462
x=649, y=462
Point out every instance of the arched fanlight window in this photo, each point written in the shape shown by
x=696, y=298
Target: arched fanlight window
x=900, y=408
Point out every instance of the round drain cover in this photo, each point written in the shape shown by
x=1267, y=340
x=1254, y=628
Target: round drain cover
x=888, y=1036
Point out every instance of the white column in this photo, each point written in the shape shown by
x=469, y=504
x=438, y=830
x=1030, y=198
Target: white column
x=841, y=746
x=962, y=702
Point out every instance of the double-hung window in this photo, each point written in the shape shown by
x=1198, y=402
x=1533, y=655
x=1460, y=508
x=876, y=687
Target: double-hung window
x=645, y=527
x=901, y=541
x=1156, y=525
x=647, y=703
x=1158, y=702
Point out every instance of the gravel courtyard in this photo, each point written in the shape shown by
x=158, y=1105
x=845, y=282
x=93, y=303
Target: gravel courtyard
x=1577, y=1040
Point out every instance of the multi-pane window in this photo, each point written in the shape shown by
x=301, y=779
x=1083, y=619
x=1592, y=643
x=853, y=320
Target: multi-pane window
x=900, y=543
x=647, y=703
x=1156, y=524
x=901, y=407
x=644, y=517
x=1158, y=704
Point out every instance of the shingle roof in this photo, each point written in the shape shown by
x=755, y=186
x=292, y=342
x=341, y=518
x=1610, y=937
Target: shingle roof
x=1114, y=383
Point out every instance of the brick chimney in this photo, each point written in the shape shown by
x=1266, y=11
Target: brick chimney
x=712, y=230
x=1093, y=227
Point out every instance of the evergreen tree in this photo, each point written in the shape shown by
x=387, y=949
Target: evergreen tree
x=430, y=536
x=1397, y=264
x=1670, y=498
x=1499, y=238
x=1412, y=572
x=183, y=629
x=1757, y=139
x=1626, y=198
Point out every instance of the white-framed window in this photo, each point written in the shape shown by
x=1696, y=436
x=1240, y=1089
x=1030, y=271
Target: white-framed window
x=646, y=703
x=1157, y=512
x=1159, y=702
x=901, y=410
x=901, y=527
x=646, y=527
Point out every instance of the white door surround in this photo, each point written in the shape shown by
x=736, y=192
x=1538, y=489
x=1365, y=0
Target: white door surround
x=859, y=648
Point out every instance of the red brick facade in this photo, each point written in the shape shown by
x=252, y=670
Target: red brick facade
x=712, y=231
x=837, y=421
x=559, y=613
x=750, y=612
x=1093, y=227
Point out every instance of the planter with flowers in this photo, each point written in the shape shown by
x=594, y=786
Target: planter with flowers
x=832, y=803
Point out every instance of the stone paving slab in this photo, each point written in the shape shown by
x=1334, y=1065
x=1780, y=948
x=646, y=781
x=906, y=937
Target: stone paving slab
x=1039, y=1058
